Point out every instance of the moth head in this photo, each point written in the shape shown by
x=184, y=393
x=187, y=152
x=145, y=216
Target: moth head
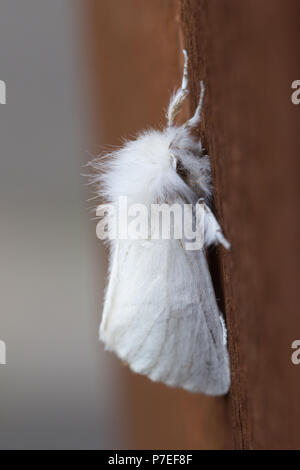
x=190, y=162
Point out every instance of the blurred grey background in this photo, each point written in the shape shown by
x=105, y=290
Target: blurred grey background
x=58, y=389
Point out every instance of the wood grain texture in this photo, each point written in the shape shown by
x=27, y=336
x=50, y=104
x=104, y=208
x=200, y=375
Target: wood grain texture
x=247, y=54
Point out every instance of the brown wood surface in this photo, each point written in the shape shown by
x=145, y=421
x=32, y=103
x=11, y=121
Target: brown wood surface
x=246, y=51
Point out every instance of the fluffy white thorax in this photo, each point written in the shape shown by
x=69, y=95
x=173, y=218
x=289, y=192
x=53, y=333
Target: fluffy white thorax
x=145, y=170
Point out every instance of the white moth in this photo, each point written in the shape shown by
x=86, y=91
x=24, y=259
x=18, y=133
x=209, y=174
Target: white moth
x=160, y=312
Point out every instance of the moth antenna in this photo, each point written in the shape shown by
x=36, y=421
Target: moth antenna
x=180, y=95
x=196, y=119
x=185, y=81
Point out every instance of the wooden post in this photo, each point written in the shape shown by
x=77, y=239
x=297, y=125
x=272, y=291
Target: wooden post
x=246, y=52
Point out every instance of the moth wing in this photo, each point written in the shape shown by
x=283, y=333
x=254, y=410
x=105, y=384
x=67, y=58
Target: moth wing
x=161, y=316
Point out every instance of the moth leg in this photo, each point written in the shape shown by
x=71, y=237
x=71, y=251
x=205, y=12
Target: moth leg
x=195, y=120
x=212, y=230
x=180, y=95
